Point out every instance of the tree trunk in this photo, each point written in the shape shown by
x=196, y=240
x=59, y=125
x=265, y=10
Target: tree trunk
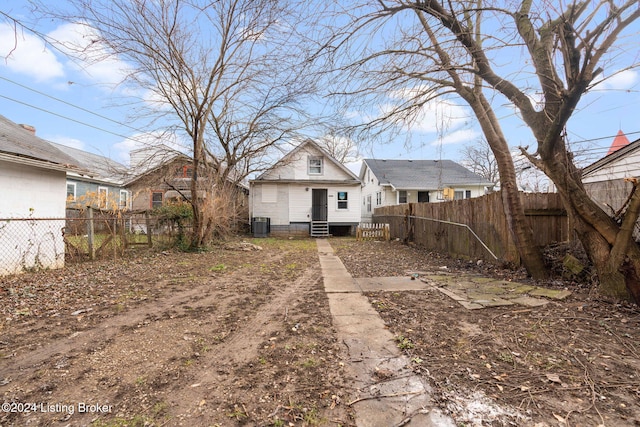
x=521, y=232
x=609, y=246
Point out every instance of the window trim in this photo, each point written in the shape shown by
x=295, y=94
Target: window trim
x=161, y=193
x=321, y=165
x=74, y=196
x=103, y=202
x=126, y=200
x=345, y=201
x=406, y=197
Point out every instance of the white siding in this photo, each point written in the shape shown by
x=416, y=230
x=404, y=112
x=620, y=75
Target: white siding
x=300, y=203
x=354, y=211
x=625, y=167
x=31, y=192
x=277, y=211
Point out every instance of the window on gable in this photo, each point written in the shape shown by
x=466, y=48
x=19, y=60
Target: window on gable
x=343, y=200
x=369, y=203
x=315, y=165
x=378, y=198
x=184, y=171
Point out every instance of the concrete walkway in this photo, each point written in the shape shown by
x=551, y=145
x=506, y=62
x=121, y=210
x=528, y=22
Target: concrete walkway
x=387, y=392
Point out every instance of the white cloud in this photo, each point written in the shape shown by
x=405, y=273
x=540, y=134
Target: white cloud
x=623, y=80
x=27, y=54
x=457, y=137
x=69, y=142
x=93, y=61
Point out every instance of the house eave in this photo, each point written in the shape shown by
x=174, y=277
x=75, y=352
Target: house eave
x=305, y=181
x=43, y=164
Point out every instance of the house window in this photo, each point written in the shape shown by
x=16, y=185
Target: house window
x=467, y=194
x=423, y=196
x=343, y=200
x=103, y=194
x=71, y=191
x=369, y=203
x=124, y=199
x=156, y=199
x=315, y=165
x=402, y=196
x=458, y=195
x=378, y=198
x=184, y=172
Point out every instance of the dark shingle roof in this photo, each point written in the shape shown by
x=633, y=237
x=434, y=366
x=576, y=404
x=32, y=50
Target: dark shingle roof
x=96, y=166
x=423, y=174
x=18, y=141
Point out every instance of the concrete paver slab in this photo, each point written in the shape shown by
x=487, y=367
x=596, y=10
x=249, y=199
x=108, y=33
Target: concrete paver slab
x=399, y=397
x=401, y=283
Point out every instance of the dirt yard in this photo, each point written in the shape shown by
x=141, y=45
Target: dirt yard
x=574, y=362
x=236, y=336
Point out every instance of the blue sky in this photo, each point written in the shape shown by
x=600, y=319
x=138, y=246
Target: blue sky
x=40, y=86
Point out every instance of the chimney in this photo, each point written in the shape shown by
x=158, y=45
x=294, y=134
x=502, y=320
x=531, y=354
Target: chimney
x=28, y=128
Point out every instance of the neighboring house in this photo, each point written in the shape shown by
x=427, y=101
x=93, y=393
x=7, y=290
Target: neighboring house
x=393, y=182
x=32, y=185
x=608, y=180
x=307, y=192
x=161, y=175
x=100, y=184
x=158, y=178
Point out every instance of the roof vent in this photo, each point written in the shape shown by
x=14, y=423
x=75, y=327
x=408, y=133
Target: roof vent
x=29, y=128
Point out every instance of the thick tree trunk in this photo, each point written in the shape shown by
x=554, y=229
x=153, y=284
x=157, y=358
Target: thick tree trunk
x=521, y=232
x=609, y=246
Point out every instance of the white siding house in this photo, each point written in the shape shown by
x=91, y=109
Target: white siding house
x=394, y=182
x=608, y=180
x=32, y=185
x=307, y=192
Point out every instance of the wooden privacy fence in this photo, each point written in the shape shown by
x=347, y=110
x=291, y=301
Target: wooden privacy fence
x=373, y=231
x=475, y=228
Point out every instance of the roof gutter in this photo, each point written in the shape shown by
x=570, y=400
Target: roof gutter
x=37, y=163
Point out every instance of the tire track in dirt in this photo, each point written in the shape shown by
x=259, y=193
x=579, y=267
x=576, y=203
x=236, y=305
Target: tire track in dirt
x=179, y=302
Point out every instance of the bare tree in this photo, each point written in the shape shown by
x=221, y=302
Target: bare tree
x=439, y=50
x=342, y=148
x=228, y=74
x=479, y=159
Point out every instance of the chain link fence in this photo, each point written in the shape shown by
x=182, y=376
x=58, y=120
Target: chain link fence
x=28, y=244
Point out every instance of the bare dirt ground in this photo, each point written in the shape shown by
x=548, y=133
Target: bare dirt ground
x=574, y=362
x=220, y=338
x=231, y=337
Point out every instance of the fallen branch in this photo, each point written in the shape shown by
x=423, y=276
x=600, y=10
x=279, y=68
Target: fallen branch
x=382, y=396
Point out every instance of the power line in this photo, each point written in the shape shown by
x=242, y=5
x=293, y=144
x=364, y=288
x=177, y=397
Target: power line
x=72, y=105
x=71, y=119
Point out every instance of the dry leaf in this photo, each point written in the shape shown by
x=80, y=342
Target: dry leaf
x=560, y=418
x=555, y=378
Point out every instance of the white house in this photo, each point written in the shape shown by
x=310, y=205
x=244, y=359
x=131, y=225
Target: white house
x=307, y=192
x=32, y=185
x=393, y=182
x=608, y=180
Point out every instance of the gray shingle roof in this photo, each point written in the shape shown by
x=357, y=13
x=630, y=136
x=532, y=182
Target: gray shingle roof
x=18, y=141
x=96, y=166
x=423, y=174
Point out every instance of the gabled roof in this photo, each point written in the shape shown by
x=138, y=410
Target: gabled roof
x=96, y=166
x=308, y=142
x=619, y=141
x=19, y=144
x=422, y=174
x=611, y=158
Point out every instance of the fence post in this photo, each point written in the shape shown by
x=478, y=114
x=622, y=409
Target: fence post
x=91, y=234
x=147, y=219
x=114, y=239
